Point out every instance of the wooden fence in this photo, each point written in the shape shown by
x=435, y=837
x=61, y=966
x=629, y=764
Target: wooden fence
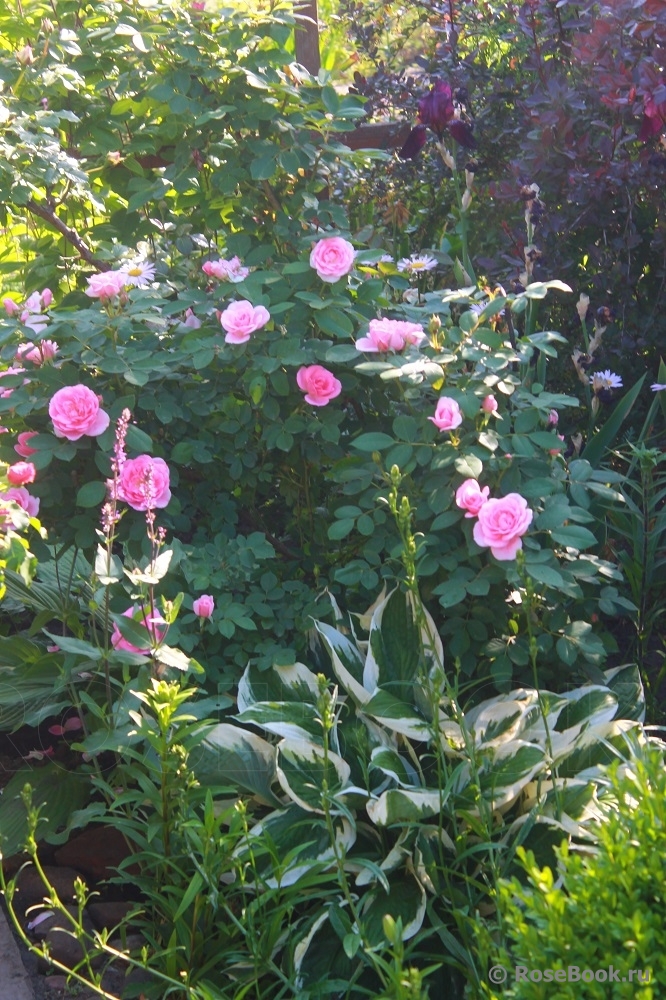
x=384, y=136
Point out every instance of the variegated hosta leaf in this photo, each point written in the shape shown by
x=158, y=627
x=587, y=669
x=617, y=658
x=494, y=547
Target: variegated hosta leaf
x=394, y=650
x=302, y=769
x=595, y=747
x=404, y=805
x=397, y=715
x=395, y=858
x=396, y=766
x=290, y=720
x=503, y=774
x=625, y=682
x=586, y=706
x=406, y=900
x=347, y=661
x=300, y=844
x=231, y=754
x=278, y=684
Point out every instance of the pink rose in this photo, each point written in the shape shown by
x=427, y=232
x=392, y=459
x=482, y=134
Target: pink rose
x=319, y=385
x=144, y=483
x=154, y=634
x=489, y=405
x=240, y=319
x=390, y=335
x=226, y=270
x=75, y=411
x=203, y=606
x=11, y=307
x=191, y=320
x=332, y=258
x=21, y=473
x=470, y=497
x=501, y=523
x=20, y=495
x=47, y=298
x=46, y=350
x=22, y=448
x=105, y=285
x=553, y=418
x=447, y=414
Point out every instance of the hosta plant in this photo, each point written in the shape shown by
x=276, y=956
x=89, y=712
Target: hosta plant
x=378, y=773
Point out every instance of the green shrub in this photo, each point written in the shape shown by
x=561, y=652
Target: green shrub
x=606, y=908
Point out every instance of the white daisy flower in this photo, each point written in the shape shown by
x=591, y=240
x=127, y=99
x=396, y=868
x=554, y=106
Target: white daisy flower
x=417, y=263
x=139, y=273
x=606, y=380
x=658, y=386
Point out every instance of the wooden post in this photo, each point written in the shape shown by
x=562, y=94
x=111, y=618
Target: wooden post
x=307, y=36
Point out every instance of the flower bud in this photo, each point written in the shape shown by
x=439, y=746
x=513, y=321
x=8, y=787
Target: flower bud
x=25, y=56
x=582, y=306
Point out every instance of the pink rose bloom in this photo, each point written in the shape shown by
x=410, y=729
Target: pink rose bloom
x=75, y=411
x=553, y=418
x=226, y=270
x=489, y=405
x=47, y=298
x=203, y=606
x=447, y=414
x=21, y=473
x=241, y=319
x=332, y=258
x=390, y=335
x=11, y=307
x=6, y=393
x=191, y=320
x=470, y=497
x=154, y=634
x=319, y=385
x=501, y=523
x=46, y=350
x=144, y=483
x=105, y=285
x=20, y=495
x=22, y=448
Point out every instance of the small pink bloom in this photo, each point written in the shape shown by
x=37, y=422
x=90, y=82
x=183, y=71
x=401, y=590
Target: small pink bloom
x=191, y=320
x=53, y=649
x=20, y=495
x=241, y=319
x=332, y=258
x=22, y=448
x=75, y=411
x=390, y=335
x=448, y=415
x=553, y=418
x=21, y=473
x=319, y=385
x=226, y=270
x=489, y=405
x=47, y=298
x=203, y=606
x=501, y=523
x=470, y=497
x=46, y=350
x=144, y=483
x=154, y=633
x=105, y=285
x=11, y=307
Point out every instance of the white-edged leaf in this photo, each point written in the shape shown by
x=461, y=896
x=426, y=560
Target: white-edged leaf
x=302, y=769
x=291, y=683
x=403, y=805
x=406, y=900
x=347, y=661
x=397, y=715
x=395, y=766
x=286, y=719
x=232, y=754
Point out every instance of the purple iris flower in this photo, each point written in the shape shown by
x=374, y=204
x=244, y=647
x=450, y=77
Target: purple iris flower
x=437, y=112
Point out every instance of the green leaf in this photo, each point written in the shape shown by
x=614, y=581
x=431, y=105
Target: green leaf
x=57, y=790
x=91, y=494
x=305, y=771
x=346, y=660
x=404, y=805
x=240, y=757
x=373, y=441
x=574, y=536
x=603, y=440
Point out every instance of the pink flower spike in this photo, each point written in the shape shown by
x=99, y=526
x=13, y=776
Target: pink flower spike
x=203, y=606
x=22, y=448
x=319, y=385
x=448, y=414
x=501, y=524
x=471, y=498
x=21, y=473
x=75, y=412
x=332, y=258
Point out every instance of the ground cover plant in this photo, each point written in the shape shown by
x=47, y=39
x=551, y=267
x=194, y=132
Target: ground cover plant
x=315, y=550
